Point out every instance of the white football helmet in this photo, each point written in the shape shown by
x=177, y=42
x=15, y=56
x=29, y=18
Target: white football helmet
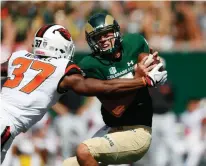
x=53, y=41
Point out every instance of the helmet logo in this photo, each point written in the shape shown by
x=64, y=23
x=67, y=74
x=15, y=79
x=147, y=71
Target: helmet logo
x=64, y=32
x=44, y=44
x=42, y=30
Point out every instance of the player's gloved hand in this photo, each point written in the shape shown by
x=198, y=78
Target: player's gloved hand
x=156, y=77
x=143, y=67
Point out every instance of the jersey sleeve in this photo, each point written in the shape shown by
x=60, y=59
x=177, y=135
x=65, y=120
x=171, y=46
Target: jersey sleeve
x=135, y=42
x=145, y=45
x=142, y=42
x=90, y=69
x=71, y=68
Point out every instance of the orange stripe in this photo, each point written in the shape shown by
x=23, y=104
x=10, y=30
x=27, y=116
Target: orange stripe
x=72, y=66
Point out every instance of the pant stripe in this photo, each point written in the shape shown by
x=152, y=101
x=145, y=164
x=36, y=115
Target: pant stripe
x=5, y=136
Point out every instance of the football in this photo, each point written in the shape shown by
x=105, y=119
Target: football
x=156, y=59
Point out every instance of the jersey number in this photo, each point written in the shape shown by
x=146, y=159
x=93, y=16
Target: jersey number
x=45, y=68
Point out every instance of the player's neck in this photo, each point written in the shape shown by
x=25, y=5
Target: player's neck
x=117, y=55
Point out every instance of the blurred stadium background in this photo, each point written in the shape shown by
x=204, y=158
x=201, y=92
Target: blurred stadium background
x=176, y=29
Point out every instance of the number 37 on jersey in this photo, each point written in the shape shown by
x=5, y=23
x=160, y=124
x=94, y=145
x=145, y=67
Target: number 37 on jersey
x=44, y=70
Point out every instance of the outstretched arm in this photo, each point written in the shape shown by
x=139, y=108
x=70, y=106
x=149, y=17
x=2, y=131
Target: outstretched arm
x=95, y=87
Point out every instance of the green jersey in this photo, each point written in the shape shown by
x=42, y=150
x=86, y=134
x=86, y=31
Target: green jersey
x=132, y=109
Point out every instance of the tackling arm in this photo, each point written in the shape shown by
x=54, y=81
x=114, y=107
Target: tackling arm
x=94, y=87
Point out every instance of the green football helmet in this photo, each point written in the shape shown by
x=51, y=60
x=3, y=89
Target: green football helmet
x=98, y=24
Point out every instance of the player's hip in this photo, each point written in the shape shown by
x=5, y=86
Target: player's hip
x=138, y=115
x=120, y=145
x=6, y=130
x=9, y=117
x=133, y=127
x=107, y=130
x=128, y=119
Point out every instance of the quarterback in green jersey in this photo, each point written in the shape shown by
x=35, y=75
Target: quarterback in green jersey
x=126, y=137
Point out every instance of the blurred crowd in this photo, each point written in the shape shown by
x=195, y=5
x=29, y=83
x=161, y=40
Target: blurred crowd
x=178, y=140
x=167, y=25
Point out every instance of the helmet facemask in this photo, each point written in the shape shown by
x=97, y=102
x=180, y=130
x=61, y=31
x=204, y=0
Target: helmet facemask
x=93, y=39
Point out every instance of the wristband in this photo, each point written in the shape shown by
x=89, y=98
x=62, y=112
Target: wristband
x=144, y=81
x=149, y=81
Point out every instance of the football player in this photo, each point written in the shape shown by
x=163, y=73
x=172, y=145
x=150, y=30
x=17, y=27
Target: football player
x=126, y=137
x=36, y=80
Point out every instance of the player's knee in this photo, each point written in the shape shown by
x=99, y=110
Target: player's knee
x=83, y=152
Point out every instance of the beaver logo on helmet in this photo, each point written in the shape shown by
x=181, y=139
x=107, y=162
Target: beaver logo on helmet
x=42, y=30
x=47, y=42
x=64, y=32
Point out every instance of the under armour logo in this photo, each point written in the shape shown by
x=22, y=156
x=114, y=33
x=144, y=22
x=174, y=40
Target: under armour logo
x=130, y=63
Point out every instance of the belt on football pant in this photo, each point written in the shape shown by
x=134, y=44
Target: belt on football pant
x=124, y=128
